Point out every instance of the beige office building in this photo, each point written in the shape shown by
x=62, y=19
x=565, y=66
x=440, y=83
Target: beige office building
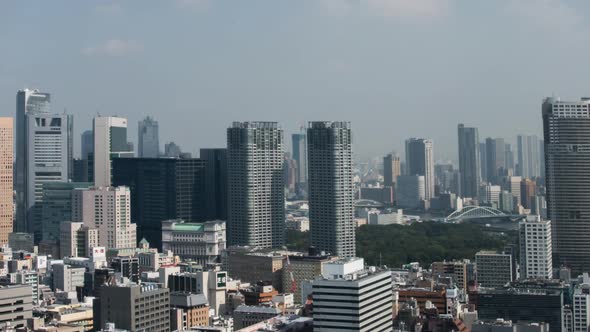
x=6, y=155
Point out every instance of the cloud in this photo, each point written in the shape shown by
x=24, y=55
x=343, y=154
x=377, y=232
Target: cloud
x=113, y=47
x=409, y=8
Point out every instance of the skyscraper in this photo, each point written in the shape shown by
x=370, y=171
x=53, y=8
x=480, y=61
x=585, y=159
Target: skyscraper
x=87, y=144
x=148, y=139
x=6, y=155
x=256, y=198
x=331, y=208
x=566, y=126
x=300, y=157
x=108, y=210
x=110, y=141
x=529, y=149
x=391, y=169
x=215, y=183
x=495, y=154
x=469, y=166
x=420, y=161
x=535, y=248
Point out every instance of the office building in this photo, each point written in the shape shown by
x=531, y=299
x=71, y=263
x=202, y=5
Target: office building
x=340, y=298
x=77, y=239
x=522, y=305
x=213, y=284
x=127, y=267
x=17, y=306
x=535, y=248
x=420, y=161
x=513, y=185
x=529, y=151
x=458, y=270
x=133, y=307
x=87, y=144
x=331, y=207
x=490, y=195
x=300, y=269
x=108, y=210
x=215, y=183
x=256, y=198
x=568, y=201
x=506, y=201
x=245, y=315
x=172, y=150
x=6, y=180
x=528, y=191
x=110, y=141
x=21, y=241
x=248, y=266
x=483, y=161
x=289, y=174
x=380, y=194
x=391, y=169
x=23, y=277
x=85, y=165
x=508, y=159
x=494, y=269
x=148, y=138
x=166, y=188
x=66, y=278
x=581, y=308
x=410, y=191
x=198, y=242
x=495, y=159
x=469, y=161
x=57, y=207
x=188, y=310
x=300, y=157
x=44, y=154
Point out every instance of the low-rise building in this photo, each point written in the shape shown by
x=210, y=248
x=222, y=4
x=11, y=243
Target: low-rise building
x=494, y=269
x=66, y=278
x=245, y=316
x=199, y=242
x=247, y=265
x=188, y=310
x=16, y=304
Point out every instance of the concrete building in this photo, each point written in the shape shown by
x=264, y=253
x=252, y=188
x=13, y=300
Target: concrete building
x=133, y=307
x=300, y=269
x=300, y=156
x=331, y=207
x=535, y=248
x=529, y=151
x=256, y=207
x=67, y=278
x=458, y=270
x=108, y=210
x=126, y=267
x=490, y=195
x=568, y=199
x=148, y=138
x=188, y=310
x=581, y=308
x=248, y=266
x=494, y=269
x=57, y=207
x=352, y=298
x=379, y=194
x=495, y=154
x=507, y=201
x=16, y=304
x=23, y=277
x=213, y=284
x=167, y=188
x=501, y=325
x=410, y=191
x=199, y=242
x=420, y=161
x=391, y=169
x=21, y=241
x=245, y=315
x=172, y=150
x=77, y=239
x=514, y=187
x=528, y=191
x=110, y=141
x=469, y=161
x=6, y=174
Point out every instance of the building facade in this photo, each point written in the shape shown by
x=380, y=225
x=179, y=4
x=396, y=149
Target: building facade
x=410, y=191
x=529, y=150
x=568, y=199
x=77, y=239
x=256, y=198
x=391, y=169
x=300, y=157
x=6, y=179
x=331, y=208
x=215, y=183
x=535, y=248
x=494, y=269
x=110, y=141
x=469, y=161
x=17, y=306
x=420, y=161
x=198, y=242
x=148, y=138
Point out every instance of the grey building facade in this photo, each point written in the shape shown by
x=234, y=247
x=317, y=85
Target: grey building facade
x=148, y=138
x=420, y=161
x=566, y=127
x=469, y=161
x=17, y=305
x=300, y=157
x=256, y=198
x=331, y=207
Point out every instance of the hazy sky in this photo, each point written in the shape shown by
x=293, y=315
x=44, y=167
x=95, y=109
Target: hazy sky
x=394, y=68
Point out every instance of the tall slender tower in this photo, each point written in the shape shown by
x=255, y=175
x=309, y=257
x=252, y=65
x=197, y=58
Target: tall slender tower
x=148, y=138
x=469, y=160
x=256, y=198
x=495, y=154
x=529, y=150
x=420, y=161
x=110, y=141
x=6, y=155
x=566, y=127
x=391, y=169
x=331, y=206
x=300, y=157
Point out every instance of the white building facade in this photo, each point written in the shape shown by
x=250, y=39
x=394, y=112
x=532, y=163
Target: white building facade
x=535, y=248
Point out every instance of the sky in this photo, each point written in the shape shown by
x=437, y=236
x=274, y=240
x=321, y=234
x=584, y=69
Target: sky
x=394, y=68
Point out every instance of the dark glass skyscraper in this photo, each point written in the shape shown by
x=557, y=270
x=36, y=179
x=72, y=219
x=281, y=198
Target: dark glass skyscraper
x=469, y=160
x=300, y=157
x=566, y=127
x=331, y=206
x=215, y=183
